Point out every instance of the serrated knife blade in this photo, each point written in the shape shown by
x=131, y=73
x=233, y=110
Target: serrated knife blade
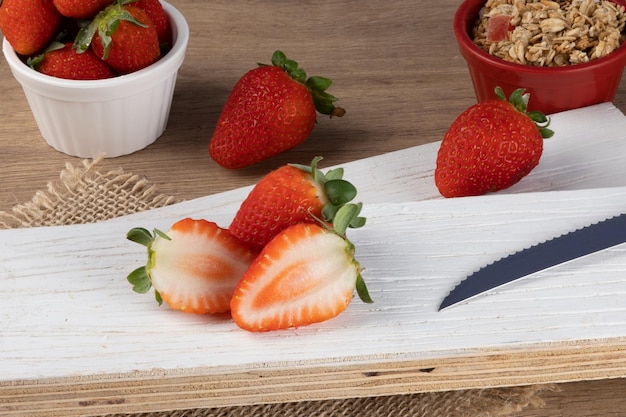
x=545, y=255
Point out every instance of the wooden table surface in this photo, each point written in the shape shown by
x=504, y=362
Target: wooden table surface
x=396, y=70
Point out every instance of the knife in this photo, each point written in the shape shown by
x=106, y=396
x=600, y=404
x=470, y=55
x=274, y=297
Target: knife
x=545, y=255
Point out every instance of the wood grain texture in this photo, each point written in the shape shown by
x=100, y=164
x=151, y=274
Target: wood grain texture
x=600, y=398
x=379, y=57
x=62, y=280
x=397, y=72
x=532, y=332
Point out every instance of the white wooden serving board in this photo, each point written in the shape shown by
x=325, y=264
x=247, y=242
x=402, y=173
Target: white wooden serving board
x=75, y=339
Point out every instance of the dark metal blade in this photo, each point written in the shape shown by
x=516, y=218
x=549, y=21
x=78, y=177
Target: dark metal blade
x=581, y=242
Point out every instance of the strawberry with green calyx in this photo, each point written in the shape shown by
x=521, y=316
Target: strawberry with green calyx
x=491, y=146
x=29, y=25
x=194, y=267
x=289, y=195
x=317, y=86
x=122, y=35
x=271, y=109
x=62, y=61
x=306, y=274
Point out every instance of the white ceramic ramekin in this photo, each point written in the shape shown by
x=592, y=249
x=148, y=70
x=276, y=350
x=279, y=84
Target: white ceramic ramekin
x=115, y=116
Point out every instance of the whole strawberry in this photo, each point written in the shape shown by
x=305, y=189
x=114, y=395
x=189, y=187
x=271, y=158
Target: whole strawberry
x=154, y=9
x=123, y=36
x=490, y=146
x=28, y=25
x=62, y=61
x=80, y=9
x=290, y=195
x=271, y=109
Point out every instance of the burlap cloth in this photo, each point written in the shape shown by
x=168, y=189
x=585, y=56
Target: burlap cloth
x=84, y=195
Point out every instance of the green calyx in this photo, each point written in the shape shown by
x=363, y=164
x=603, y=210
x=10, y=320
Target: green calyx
x=339, y=214
x=519, y=100
x=317, y=86
x=140, y=277
x=105, y=24
x=56, y=44
x=349, y=216
x=35, y=61
x=338, y=191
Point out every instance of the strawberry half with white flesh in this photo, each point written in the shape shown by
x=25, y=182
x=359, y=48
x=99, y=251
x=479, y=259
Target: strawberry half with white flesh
x=306, y=274
x=194, y=267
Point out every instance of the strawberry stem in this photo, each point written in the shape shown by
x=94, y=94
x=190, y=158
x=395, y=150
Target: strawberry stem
x=361, y=290
x=338, y=191
x=140, y=281
x=105, y=24
x=35, y=61
x=140, y=277
x=519, y=100
x=317, y=86
x=348, y=216
x=140, y=235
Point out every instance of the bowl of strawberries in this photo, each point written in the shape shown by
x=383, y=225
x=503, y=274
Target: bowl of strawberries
x=98, y=75
x=566, y=54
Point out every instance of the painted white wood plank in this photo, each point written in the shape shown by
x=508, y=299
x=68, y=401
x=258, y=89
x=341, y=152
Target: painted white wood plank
x=71, y=311
x=585, y=152
x=67, y=309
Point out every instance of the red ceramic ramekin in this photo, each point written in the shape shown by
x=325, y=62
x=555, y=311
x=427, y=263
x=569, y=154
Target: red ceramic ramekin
x=552, y=89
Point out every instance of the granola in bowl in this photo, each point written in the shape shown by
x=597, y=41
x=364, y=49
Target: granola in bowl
x=549, y=33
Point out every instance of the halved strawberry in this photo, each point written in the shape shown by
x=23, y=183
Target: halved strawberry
x=306, y=274
x=194, y=267
x=289, y=195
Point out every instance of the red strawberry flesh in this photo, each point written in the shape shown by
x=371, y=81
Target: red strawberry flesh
x=305, y=275
x=498, y=27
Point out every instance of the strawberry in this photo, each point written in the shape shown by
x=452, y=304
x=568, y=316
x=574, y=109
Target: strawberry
x=194, y=267
x=123, y=36
x=29, y=25
x=271, y=109
x=154, y=9
x=288, y=195
x=80, y=9
x=490, y=146
x=62, y=61
x=306, y=274
x=498, y=27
